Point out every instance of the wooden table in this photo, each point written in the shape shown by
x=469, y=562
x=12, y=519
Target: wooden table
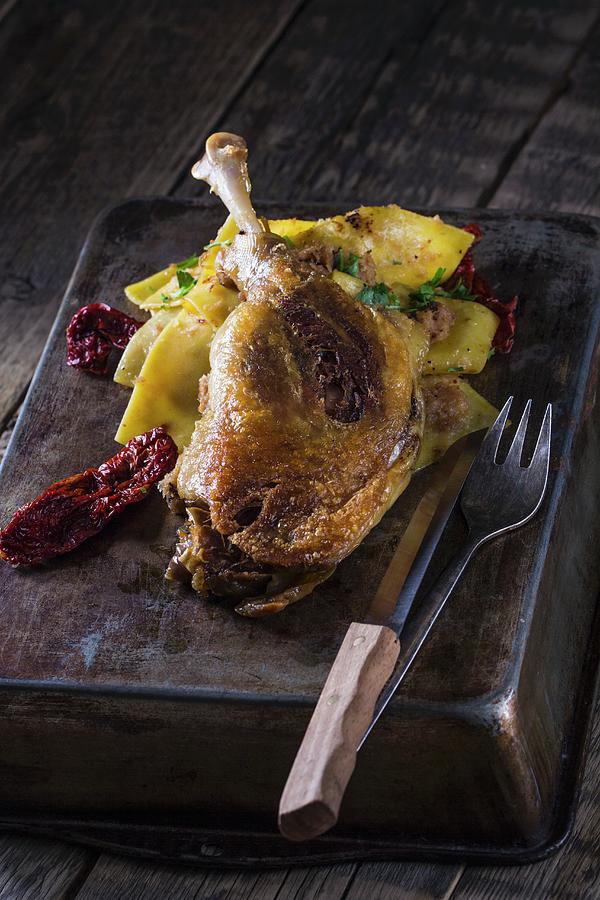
x=426, y=103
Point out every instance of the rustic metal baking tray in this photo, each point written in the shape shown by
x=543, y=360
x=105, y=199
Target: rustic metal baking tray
x=136, y=716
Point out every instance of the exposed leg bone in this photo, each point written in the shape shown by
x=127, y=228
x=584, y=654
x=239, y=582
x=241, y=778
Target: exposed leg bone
x=224, y=167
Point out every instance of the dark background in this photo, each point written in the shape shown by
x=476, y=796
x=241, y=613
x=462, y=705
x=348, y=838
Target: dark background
x=422, y=103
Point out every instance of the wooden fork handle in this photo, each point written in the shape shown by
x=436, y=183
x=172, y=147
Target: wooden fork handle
x=316, y=784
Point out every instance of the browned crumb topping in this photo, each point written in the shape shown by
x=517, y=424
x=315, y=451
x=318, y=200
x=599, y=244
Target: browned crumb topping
x=366, y=269
x=446, y=407
x=437, y=319
x=318, y=255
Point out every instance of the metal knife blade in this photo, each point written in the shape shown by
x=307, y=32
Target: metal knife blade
x=403, y=577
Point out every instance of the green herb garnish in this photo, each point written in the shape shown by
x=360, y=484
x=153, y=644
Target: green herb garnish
x=165, y=299
x=491, y=352
x=428, y=292
x=456, y=368
x=380, y=295
x=218, y=244
x=423, y=298
x=188, y=263
x=425, y=295
x=288, y=241
x=185, y=281
x=346, y=262
x=143, y=490
x=459, y=292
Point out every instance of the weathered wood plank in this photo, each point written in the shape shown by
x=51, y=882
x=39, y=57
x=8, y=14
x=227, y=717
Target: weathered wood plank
x=389, y=881
x=311, y=87
x=119, y=878
x=113, y=879
x=437, y=130
x=36, y=869
x=434, y=127
x=318, y=883
x=101, y=101
x=559, y=165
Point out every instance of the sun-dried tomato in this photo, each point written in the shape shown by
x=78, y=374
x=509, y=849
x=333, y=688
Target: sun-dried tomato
x=93, y=331
x=480, y=288
x=78, y=507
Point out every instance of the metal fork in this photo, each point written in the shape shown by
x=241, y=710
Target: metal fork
x=495, y=498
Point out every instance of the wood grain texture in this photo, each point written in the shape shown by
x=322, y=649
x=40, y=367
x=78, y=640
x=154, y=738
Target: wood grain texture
x=311, y=88
x=393, y=881
x=78, y=131
x=326, y=758
x=436, y=121
x=559, y=166
x=438, y=128
x=117, y=879
x=319, y=883
x=36, y=869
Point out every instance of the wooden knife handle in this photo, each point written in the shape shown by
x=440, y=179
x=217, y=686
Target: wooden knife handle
x=316, y=784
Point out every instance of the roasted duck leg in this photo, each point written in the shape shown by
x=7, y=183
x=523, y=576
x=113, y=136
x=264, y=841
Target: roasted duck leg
x=312, y=425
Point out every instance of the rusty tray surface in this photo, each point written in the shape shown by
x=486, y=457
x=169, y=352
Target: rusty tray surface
x=136, y=716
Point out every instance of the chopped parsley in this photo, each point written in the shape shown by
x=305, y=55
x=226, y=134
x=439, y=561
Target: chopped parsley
x=491, y=352
x=459, y=292
x=346, y=262
x=143, y=490
x=456, y=368
x=425, y=295
x=428, y=292
x=380, y=295
x=218, y=244
x=383, y=297
x=288, y=241
x=185, y=281
x=188, y=263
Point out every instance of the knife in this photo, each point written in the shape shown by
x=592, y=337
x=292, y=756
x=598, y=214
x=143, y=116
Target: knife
x=346, y=710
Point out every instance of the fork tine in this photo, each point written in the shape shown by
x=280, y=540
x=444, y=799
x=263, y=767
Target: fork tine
x=513, y=457
x=540, y=461
x=489, y=447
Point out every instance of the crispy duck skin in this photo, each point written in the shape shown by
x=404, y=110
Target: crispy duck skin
x=313, y=422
